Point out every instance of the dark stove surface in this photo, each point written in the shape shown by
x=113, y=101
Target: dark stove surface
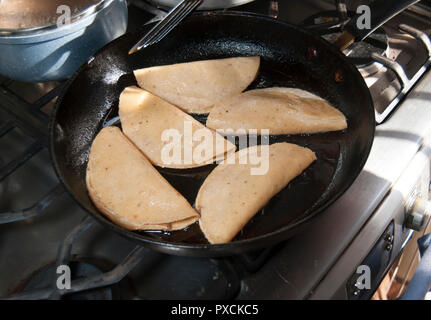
x=40, y=223
x=43, y=215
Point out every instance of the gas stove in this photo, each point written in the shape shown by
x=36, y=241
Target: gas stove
x=41, y=227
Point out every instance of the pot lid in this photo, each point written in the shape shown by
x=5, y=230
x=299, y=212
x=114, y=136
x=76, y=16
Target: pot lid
x=22, y=15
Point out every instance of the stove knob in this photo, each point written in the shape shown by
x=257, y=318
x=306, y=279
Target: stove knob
x=389, y=238
x=418, y=214
x=356, y=291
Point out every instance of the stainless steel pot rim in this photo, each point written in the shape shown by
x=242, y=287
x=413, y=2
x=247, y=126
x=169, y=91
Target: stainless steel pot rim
x=91, y=10
x=66, y=32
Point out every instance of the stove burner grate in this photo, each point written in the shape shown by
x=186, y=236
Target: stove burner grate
x=79, y=269
x=358, y=53
x=31, y=120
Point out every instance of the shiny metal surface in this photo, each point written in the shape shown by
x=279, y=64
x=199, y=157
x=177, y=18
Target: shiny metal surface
x=31, y=15
x=418, y=214
x=413, y=183
x=207, y=5
x=170, y=21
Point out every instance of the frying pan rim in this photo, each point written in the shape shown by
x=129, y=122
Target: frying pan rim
x=225, y=249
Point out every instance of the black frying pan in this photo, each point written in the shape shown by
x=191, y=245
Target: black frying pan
x=291, y=57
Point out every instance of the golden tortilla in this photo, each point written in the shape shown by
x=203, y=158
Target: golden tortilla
x=126, y=187
x=146, y=118
x=281, y=110
x=231, y=195
x=196, y=86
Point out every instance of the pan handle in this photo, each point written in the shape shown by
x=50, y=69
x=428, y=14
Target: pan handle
x=381, y=11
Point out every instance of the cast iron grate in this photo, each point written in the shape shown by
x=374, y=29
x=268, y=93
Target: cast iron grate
x=33, y=122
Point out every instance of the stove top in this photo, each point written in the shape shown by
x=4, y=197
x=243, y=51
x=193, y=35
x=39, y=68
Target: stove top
x=41, y=227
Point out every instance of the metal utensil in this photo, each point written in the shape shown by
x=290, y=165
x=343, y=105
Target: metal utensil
x=207, y=5
x=40, y=50
x=172, y=19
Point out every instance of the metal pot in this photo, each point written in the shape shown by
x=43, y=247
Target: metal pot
x=207, y=5
x=34, y=48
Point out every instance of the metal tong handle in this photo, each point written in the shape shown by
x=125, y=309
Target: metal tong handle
x=170, y=21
